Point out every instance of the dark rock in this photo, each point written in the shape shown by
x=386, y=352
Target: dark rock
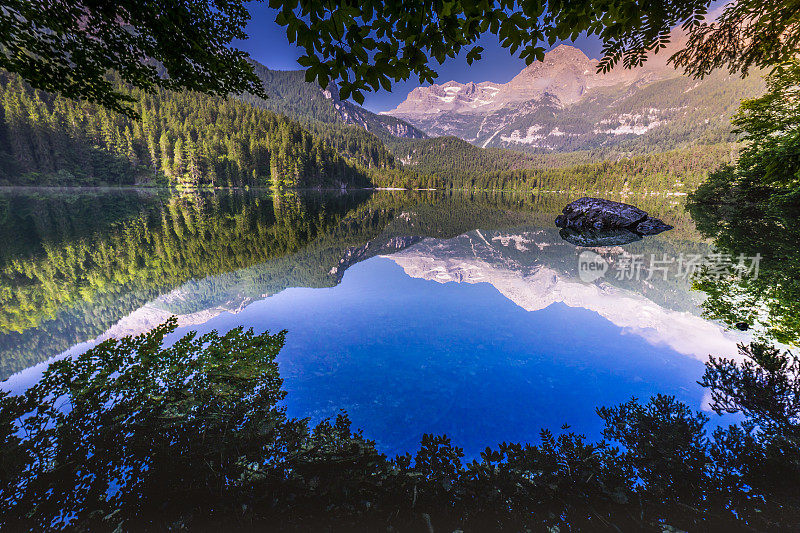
x=651, y=226
x=600, y=215
x=609, y=237
x=742, y=326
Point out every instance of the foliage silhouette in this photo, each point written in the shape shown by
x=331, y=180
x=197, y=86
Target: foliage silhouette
x=69, y=47
x=134, y=435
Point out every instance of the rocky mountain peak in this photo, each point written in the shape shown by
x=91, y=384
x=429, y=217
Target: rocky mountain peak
x=566, y=73
x=564, y=103
x=565, y=52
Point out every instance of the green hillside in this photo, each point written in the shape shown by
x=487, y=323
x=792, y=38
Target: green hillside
x=451, y=163
x=185, y=138
x=290, y=95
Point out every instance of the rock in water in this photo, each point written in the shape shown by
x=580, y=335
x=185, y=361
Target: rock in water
x=591, y=238
x=600, y=215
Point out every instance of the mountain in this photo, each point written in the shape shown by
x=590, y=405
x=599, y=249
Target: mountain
x=563, y=104
x=565, y=73
x=526, y=265
x=290, y=95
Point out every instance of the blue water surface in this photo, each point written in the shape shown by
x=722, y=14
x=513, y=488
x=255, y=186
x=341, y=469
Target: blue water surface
x=406, y=356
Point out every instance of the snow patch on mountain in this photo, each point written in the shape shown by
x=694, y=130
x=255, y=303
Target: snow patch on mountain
x=538, y=287
x=531, y=137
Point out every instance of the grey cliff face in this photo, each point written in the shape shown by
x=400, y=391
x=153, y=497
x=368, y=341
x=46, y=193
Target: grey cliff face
x=563, y=103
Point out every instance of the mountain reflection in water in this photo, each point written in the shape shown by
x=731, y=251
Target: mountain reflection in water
x=416, y=313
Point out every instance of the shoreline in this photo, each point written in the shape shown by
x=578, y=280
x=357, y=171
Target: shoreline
x=154, y=189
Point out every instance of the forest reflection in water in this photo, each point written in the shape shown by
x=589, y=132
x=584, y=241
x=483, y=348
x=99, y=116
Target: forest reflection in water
x=113, y=263
x=77, y=262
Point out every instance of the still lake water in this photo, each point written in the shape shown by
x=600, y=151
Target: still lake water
x=415, y=312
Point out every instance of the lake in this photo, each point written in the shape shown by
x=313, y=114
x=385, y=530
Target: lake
x=415, y=312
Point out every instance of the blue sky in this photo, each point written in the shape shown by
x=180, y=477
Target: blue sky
x=268, y=45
